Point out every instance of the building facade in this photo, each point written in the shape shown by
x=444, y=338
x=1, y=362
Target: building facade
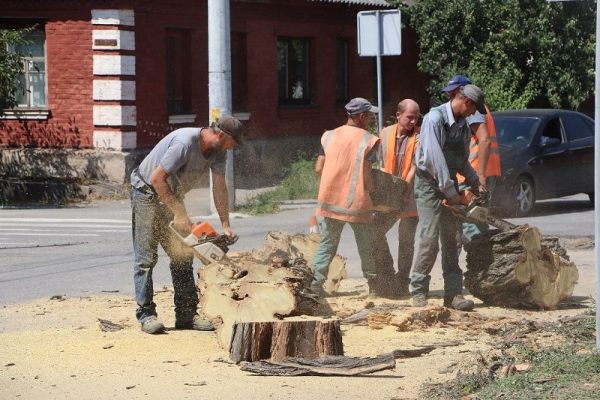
x=115, y=76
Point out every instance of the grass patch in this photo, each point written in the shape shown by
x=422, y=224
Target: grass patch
x=567, y=371
x=300, y=182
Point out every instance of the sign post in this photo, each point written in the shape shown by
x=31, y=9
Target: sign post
x=379, y=35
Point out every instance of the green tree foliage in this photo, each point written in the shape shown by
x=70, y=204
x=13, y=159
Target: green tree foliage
x=523, y=53
x=11, y=66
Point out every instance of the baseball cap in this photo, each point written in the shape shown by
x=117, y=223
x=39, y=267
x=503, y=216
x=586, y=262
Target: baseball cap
x=455, y=82
x=359, y=105
x=476, y=95
x=231, y=126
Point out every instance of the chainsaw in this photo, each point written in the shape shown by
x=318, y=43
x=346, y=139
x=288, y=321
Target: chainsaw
x=207, y=244
x=471, y=209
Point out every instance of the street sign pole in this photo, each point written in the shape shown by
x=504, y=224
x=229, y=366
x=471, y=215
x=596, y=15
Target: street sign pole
x=379, y=85
x=379, y=35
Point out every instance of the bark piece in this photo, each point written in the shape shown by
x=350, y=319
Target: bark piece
x=278, y=340
x=519, y=268
x=329, y=366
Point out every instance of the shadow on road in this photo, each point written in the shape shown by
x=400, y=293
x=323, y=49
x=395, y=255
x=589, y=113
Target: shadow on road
x=562, y=206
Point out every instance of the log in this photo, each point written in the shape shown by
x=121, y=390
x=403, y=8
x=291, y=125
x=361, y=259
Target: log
x=308, y=245
x=263, y=285
x=518, y=268
x=278, y=340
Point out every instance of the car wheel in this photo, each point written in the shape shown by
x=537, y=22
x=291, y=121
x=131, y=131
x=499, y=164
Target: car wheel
x=591, y=196
x=523, y=197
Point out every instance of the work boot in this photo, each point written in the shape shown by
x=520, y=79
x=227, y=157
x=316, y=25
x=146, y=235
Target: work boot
x=152, y=325
x=419, y=300
x=458, y=302
x=197, y=324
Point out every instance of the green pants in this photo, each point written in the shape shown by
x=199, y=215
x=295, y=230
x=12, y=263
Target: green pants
x=436, y=224
x=331, y=231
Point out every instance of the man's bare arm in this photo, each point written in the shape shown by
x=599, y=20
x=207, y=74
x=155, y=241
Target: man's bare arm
x=368, y=176
x=221, y=197
x=483, y=152
x=158, y=180
x=319, y=165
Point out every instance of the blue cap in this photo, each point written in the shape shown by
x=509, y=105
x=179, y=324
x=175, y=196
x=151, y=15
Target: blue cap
x=456, y=82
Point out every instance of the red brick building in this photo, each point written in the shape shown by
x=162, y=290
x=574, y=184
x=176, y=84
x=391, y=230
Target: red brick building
x=112, y=77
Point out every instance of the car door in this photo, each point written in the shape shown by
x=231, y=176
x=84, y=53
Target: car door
x=579, y=131
x=551, y=165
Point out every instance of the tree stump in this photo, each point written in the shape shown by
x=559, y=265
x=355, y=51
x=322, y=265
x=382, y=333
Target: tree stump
x=279, y=340
x=262, y=285
x=519, y=268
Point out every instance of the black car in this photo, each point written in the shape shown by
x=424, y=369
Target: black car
x=545, y=153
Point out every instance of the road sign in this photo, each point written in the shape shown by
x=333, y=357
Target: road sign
x=379, y=33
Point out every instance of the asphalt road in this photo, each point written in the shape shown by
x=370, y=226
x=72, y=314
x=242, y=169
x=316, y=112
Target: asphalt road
x=86, y=249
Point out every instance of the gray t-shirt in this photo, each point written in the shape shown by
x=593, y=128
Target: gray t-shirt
x=179, y=155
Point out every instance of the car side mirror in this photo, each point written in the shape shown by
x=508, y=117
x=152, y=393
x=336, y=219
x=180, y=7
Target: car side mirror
x=549, y=142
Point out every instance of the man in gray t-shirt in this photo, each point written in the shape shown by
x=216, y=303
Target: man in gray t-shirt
x=159, y=185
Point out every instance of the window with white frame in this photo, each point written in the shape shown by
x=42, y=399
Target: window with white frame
x=293, y=71
x=32, y=88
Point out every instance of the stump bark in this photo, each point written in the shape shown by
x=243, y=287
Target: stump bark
x=279, y=340
x=263, y=285
x=519, y=268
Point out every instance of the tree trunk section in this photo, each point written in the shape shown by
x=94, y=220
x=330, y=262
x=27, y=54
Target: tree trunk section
x=279, y=340
x=519, y=268
x=262, y=285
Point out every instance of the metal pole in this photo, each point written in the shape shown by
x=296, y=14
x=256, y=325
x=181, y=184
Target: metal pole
x=597, y=173
x=379, y=91
x=219, y=76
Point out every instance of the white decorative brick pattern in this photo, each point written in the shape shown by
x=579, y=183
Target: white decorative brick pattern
x=111, y=140
x=105, y=115
x=114, y=65
x=113, y=17
x=114, y=90
x=113, y=40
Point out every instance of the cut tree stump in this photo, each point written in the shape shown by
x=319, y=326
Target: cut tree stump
x=518, y=268
x=262, y=285
x=278, y=340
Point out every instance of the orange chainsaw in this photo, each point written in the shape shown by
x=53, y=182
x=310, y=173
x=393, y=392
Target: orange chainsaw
x=472, y=210
x=207, y=244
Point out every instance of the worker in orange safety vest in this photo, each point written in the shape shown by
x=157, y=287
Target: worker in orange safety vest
x=346, y=180
x=396, y=155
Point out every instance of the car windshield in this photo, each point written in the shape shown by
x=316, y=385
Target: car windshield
x=515, y=132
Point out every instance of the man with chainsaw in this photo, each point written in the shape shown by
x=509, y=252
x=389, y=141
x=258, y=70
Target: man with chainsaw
x=396, y=157
x=344, y=165
x=159, y=185
x=483, y=155
x=441, y=154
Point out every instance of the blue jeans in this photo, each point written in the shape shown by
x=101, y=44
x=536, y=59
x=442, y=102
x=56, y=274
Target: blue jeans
x=331, y=231
x=150, y=226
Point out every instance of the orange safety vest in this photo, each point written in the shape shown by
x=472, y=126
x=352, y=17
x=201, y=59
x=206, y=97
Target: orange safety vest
x=388, y=151
x=342, y=193
x=493, y=165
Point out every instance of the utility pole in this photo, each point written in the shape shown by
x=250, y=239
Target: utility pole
x=219, y=77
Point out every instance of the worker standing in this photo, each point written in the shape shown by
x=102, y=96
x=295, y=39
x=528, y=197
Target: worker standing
x=344, y=165
x=442, y=153
x=483, y=155
x=396, y=157
x=159, y=185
